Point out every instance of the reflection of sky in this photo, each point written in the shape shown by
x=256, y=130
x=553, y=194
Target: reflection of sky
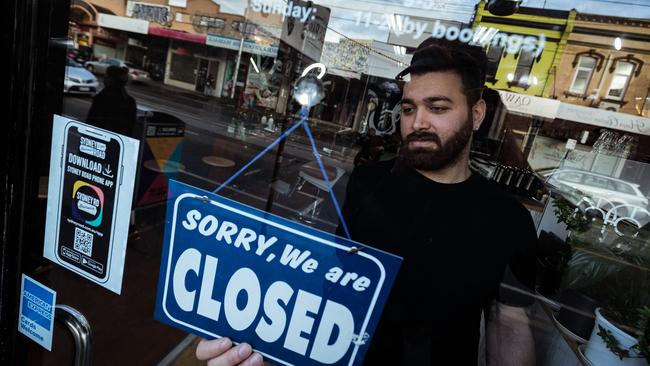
x=345, y=14
x=232, y=6
x=621, y=8
x=344, y=22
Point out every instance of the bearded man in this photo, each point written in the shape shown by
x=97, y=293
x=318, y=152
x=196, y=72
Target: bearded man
x=467, y=245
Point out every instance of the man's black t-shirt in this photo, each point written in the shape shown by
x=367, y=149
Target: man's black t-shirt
x=457, y=241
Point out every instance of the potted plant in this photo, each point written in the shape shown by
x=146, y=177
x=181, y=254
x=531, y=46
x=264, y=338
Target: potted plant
x=614, y=272
x=554, y=252
x=567, y=271
x=609, y=345
x=617, y=275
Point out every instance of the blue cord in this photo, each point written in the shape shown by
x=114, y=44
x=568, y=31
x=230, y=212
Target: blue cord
x=304, y=113
x=282, y=137
x=327, y=181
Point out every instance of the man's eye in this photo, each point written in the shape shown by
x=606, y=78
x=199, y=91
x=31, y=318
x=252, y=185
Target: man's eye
x=438, y=109
x=407, y=110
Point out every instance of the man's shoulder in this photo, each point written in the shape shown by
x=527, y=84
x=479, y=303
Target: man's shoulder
x=374, y=169
x=497, y=198
x=365, y=178
x=371, y=173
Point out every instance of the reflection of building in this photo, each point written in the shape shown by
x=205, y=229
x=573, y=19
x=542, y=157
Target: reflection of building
x=85, y=34
x=594, y=73
x=347, y=57
x=307, y=36
x=578, y=92
x=375, y=65
x=179, y=42
x=523, y=49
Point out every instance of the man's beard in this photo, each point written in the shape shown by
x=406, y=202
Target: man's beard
x=441, y=155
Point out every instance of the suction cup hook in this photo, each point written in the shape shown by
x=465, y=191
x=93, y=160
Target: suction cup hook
x=309, y=89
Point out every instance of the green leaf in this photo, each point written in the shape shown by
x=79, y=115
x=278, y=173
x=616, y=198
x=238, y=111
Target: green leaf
x=612, y=343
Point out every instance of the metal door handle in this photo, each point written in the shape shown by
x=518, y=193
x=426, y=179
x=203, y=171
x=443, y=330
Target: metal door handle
x=79, y=327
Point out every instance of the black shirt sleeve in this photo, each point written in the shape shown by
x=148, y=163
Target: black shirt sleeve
x=517, y=287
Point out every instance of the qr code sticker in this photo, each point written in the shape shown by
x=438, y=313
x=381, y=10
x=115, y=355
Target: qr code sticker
x=83, y=241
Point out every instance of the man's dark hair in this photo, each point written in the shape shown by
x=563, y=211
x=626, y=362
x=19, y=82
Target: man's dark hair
x=116, y=76
x=469, y=62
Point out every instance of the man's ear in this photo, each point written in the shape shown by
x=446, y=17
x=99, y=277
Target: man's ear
x=478, y=114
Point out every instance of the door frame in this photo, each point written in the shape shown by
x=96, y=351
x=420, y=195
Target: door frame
x=35, y=34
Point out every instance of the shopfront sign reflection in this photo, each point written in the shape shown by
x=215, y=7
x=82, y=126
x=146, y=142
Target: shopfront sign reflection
x=296, y=294
x=529, y=105
x=290, y=9
x=402, y=26
x=249, y=46
x=604, y=118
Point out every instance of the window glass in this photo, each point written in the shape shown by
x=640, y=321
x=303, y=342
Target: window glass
x=522, y=75
x=222, y=87
x=583, y=74
x=581, y=81
x=596, y=181
x=494, y=58
x=587, y=62
x=620, y=80
x=211, y=22
x=570, y=177
x=624, y=188
x=73, y=63
x=182, y=68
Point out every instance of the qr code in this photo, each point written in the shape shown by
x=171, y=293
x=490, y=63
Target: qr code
x=83, y=241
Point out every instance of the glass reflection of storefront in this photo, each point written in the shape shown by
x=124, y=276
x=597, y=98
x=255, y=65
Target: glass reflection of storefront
x=566, y=133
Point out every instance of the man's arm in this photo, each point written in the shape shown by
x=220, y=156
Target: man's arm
x=509, y=338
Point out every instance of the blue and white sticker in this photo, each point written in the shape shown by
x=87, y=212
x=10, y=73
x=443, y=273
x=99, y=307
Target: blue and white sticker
x=36, y=317
x=298, y=295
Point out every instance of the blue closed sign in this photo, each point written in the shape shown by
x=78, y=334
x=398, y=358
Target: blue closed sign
x=298, y=295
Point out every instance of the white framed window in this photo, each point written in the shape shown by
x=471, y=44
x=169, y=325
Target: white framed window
x=583, y=74
x=620, y=80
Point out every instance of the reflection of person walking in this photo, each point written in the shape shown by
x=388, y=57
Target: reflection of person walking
x=113, y=108
x=209, y=85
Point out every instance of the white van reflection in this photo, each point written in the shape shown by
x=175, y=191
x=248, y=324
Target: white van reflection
x=615, y=199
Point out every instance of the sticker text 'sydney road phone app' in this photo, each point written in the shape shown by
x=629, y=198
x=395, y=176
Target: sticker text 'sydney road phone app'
x=91, y=163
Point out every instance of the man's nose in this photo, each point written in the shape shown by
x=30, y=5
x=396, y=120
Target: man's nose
x=421, y=122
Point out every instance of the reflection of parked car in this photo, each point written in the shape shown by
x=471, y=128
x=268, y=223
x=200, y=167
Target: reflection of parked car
x=78, y=80
x=598, y=186
x=99, y=68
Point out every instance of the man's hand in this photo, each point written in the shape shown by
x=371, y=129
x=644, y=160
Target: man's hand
x=509, y=338
x=220, y=352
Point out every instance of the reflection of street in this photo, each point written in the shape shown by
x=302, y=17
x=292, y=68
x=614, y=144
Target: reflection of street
x=214, y=138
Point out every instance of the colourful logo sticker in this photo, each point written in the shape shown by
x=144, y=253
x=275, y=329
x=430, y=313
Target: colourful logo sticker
x=88, y=203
